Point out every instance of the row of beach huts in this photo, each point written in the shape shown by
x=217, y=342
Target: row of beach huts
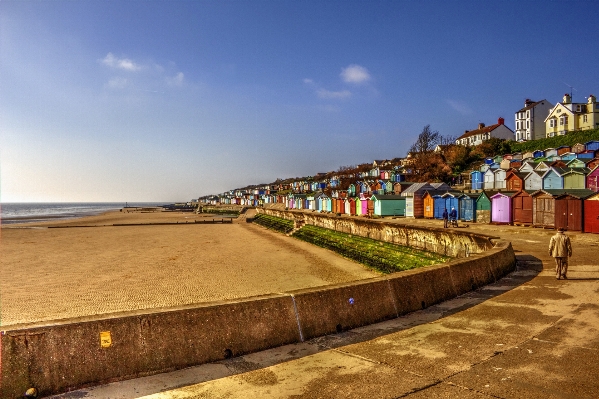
x=550, y=189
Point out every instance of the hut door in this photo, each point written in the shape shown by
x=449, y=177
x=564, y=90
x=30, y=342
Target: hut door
x=574, y=214
x=591, y=216
x=561, y=213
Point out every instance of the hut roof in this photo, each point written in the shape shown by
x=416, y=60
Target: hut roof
x=578, y=193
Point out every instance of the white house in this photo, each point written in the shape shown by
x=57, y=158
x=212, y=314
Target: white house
x=476, y=137
x=530, y=120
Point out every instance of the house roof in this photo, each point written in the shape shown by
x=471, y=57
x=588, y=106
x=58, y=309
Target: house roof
x=531, y=105
x=485, y=129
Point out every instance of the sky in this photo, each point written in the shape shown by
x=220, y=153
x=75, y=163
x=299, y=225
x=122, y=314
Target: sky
x=117, y=101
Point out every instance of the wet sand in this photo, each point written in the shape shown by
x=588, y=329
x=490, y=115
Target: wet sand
x=56, y=273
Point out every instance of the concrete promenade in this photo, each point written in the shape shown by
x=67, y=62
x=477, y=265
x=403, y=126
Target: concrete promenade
x=526, y=336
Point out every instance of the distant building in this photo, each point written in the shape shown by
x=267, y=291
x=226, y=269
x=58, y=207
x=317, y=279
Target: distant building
x=530, y=120
x=568, y=116
x=483, y=133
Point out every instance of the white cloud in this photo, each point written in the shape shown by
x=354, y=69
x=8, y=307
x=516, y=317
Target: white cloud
x=308, y=81
x=459, y=106
x=117, y=83
x=323, y=93
x=355, y=74
x=120, y=63
x=176, y=80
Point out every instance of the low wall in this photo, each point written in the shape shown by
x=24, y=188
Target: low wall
x=61, y=356
x=443, y=241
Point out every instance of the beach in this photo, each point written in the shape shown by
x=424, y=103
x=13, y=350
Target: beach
x=87, y=266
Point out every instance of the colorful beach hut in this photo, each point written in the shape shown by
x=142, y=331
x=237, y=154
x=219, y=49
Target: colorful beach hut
x=389, y=205
x=476, y=177
x=467, y=209
x=501, y=208
x=591, y=214
x=522, y=208
x=484, y=206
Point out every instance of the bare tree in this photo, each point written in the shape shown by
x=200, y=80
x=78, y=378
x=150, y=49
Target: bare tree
x=426, y=141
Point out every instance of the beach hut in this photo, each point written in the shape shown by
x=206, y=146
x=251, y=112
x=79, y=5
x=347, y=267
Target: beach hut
x=515, y=164
x=428, y=202
x=568, y=156
x=528, y=154
x=553, y=179
x=483, y=207
x=467, y=209
x=527, y=167
x=543, y=209
x=489, y=161
x=563, y=149
x=497, y=159
x=592, y=179
x=508, y=156
x=501, y=208
x=440, y=206
x=576, y=163
x=414, y=199
x=389, y=205
x=476, y=178
x=575, y=178
x=588, y=154
x=489, y=179
x=577, y=148
x=534, y=180
x=499, y=176
x=505, y=164
x=550, y=152
x=514, y=181
x=538, y=154
x=592, y=145
x=591, y=214
x=522, y=208
x=592, y=164
x=517, y=156
x=452, y=202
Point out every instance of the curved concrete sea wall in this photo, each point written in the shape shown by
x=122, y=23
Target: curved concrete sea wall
x=69, y=354
x=443, y=241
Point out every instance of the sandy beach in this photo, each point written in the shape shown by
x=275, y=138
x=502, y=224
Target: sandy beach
x=56, y=273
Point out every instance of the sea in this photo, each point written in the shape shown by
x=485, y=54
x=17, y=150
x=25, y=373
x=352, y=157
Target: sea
x=25, y=212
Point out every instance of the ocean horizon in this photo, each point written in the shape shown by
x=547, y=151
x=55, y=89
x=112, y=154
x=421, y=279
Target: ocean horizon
x=26, y=212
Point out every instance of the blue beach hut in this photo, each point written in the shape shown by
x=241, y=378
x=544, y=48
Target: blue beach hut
x=477, y=179
x=467, y=210
x=451, y=201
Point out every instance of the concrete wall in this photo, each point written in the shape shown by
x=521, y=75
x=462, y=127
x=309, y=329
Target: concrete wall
x=446, y=242
x=57, y=357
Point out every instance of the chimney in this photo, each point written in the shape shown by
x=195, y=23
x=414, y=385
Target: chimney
x=567, y=99
x=527, y=102
x=500, y=121
x=481, y=125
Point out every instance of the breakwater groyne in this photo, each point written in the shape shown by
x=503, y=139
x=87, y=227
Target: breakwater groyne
x=59, y=356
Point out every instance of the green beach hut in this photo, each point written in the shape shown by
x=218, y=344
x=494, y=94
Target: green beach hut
x=389, y=205
x=483, y=207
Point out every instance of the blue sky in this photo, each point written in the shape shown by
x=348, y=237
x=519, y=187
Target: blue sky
x=168, y=101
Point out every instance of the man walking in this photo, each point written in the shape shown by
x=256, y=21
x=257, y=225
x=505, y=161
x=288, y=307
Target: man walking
x=445, y=218
x=560, y=248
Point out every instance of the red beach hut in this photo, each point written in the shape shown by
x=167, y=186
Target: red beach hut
x=522, y=208
x=591, y=214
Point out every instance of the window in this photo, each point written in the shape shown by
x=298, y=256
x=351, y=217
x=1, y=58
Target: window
x=527, y=124
x=585, y=118
x=552, y=122
x=559, y=110
x=528, y=114
x=563, y=120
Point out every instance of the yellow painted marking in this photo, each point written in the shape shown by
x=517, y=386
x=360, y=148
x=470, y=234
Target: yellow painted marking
x=105, y=339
